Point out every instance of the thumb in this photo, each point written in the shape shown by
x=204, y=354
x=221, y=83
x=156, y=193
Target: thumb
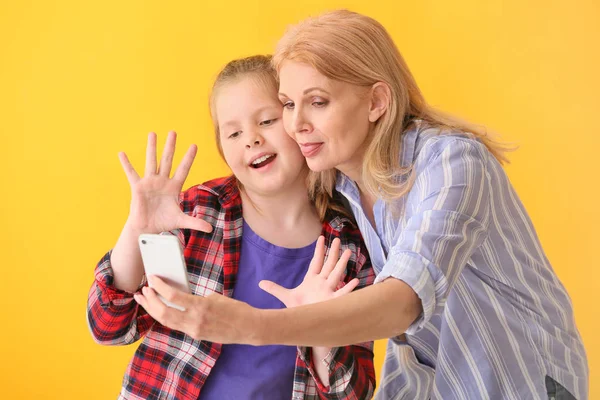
x=275, y=290
x=189, y=222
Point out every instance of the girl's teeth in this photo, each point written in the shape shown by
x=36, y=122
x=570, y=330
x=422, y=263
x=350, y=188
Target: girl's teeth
x=261, y=159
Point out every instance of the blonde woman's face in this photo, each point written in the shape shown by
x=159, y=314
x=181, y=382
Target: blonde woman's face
x=328, y=119
x=255, y=145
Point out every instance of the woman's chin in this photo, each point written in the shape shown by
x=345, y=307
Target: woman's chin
x=318, y=165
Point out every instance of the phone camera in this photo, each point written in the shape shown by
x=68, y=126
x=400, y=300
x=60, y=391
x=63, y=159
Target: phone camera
x=143, y=241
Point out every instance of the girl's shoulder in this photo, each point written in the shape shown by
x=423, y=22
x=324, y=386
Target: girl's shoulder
x=340, y=224
x=217, y=194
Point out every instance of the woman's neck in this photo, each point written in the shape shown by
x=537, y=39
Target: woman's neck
x=353, y=168
x=354, y=172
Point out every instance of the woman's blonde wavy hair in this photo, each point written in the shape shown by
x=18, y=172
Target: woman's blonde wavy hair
x=356, y=49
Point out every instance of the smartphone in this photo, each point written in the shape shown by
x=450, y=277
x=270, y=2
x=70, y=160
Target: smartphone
x=162, y=256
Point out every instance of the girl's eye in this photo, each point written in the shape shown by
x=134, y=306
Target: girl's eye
x=319, y=103
x=268, y=122
x=289, y=105
x=234, y=135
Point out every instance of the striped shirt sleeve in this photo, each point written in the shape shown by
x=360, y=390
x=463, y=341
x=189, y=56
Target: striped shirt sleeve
x=447, y=217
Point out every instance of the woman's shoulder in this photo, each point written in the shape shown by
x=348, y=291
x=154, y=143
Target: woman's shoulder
x=429, y=142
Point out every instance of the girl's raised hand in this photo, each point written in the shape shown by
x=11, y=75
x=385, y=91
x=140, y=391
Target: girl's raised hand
x=155, y=196
x=321, y=282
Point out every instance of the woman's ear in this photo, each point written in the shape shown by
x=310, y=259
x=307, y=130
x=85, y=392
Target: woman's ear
x=380, y=100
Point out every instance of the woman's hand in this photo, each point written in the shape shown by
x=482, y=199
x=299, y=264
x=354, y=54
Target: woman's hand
x=155, y=196
x=215, y=318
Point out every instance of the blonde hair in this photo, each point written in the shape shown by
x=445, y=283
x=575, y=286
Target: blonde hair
x=260, y=68
x=356, y=49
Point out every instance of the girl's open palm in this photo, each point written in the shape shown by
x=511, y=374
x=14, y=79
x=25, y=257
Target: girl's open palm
x=155, y=196
x=321, y=282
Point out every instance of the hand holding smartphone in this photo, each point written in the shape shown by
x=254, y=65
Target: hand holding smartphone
x=162, y=256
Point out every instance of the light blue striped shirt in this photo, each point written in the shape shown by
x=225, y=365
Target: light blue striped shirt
x=496, y=320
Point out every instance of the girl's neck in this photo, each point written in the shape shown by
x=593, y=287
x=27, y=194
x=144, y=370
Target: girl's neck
x=287, y=218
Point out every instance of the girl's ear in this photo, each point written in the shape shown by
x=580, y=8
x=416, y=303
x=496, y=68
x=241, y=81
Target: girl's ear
x=380, y=100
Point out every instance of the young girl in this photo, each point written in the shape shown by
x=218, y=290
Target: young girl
x=460, y=269
x=236, y=231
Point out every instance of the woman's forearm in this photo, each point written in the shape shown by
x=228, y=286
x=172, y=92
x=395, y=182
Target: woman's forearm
x=380, y=311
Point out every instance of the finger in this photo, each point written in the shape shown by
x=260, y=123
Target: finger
x=130, y=172
x=332, y=257
x=350, y=286
x=184, y=167
x=141, y=300
x=166, y=161
x=317, y=261
x=275, y=290
x=197, y=224
x=164, y=314
x=151, y=303
x=151, y=155
x=340, y=268
x=167, y=291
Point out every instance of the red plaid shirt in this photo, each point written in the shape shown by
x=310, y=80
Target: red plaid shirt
x=169, y=364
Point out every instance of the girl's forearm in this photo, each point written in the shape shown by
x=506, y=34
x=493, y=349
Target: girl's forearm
x=380, y=311
x=126, y=261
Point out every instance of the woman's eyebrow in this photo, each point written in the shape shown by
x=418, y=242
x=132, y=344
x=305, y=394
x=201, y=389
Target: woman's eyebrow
x=315, y=88
x=306, y=91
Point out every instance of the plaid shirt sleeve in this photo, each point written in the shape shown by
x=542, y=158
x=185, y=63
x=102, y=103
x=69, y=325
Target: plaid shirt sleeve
x=114, y=317
x=351, y=370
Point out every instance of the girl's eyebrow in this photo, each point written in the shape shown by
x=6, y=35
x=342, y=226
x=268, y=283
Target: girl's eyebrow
x=228, y=123
x=254, y=113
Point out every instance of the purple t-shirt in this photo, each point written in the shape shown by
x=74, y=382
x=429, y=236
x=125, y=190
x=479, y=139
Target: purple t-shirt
x=259, y=372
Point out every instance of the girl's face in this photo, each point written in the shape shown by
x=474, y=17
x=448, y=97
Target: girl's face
x=328, y=119
x=256, y=147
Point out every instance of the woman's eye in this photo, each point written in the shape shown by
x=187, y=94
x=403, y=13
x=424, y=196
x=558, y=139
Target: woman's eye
x=234, y=135
x=319, y=103
x=289, y=105
x=267, y=122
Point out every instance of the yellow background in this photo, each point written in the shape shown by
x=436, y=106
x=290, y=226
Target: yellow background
x=80, y=81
